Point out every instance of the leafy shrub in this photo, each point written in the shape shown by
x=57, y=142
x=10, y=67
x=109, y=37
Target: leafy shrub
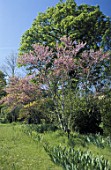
x=105, y=107
x=3, y=120
x=41, y=128
x=9, y=115
x=46, y=127
x=87, y=116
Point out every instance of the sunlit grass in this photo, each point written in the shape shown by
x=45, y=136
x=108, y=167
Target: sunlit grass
x=19, y=151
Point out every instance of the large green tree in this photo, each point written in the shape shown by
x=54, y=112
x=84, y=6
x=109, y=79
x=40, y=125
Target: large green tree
x=82, y=23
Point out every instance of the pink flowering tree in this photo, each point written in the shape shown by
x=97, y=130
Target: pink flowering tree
x=21, y=92
x=56, y=71
x=87, y=68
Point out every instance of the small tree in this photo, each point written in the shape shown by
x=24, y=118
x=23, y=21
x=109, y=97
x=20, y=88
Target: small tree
x=10, y=66
x=20, y=92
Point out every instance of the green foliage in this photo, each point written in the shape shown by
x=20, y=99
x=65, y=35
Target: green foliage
x=35, y=112
x=82, y=23
x=72, y=159
x=2, y=84
x=41, y=128
x=80, y=112
x=86, y=116
x=9, y=115
x=105, y=107
x=106, y=42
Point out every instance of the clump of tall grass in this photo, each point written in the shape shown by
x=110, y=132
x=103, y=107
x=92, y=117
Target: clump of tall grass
x=95, y=139
x=99, y=140
x=71, y=159
x=30, y=131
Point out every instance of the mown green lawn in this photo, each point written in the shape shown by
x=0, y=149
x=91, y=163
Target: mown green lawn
x=18, y=151
x=22, y=149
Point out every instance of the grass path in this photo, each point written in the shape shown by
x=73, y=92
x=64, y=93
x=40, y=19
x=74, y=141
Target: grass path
x=20, y=152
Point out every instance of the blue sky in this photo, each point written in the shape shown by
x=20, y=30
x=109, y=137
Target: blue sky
x=16, y=16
